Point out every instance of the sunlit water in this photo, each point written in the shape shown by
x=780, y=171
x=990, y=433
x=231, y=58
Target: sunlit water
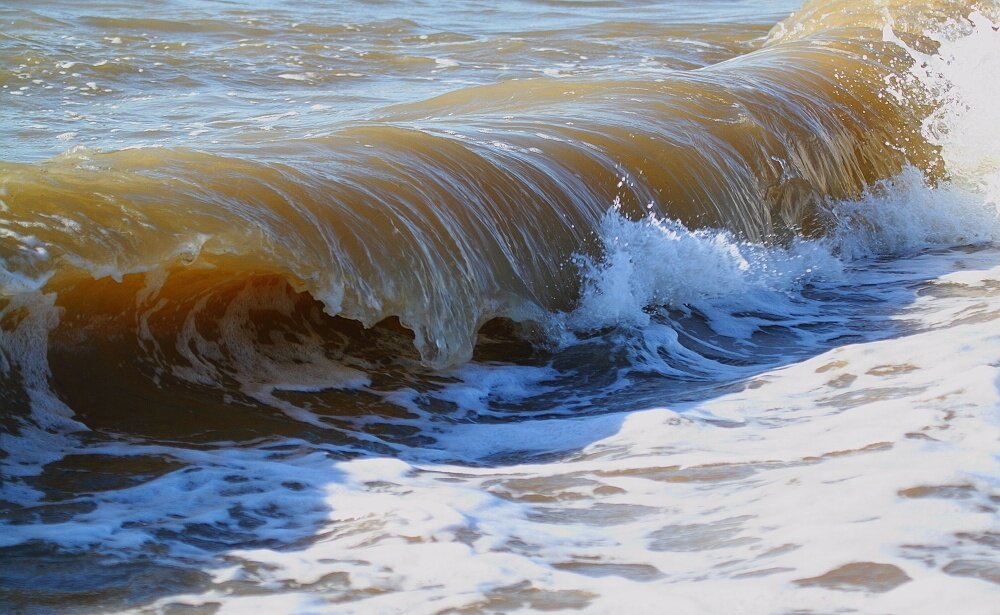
x=613, y=307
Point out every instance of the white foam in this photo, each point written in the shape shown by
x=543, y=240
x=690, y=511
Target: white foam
x=831, y=461
x=480, y=384
x=660, y=262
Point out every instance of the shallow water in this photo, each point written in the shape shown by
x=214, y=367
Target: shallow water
x=568, y=306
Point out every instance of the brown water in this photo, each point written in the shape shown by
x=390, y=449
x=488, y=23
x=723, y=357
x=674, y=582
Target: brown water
x=484, y=191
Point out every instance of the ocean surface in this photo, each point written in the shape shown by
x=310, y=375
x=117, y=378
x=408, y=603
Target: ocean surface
x=600, y=306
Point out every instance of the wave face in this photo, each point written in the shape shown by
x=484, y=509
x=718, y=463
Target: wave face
x=484, y=193
x=298, y=304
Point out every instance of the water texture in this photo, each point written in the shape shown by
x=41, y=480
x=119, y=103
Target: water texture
x=444, y=308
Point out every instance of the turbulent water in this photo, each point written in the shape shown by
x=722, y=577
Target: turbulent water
x=602, y=306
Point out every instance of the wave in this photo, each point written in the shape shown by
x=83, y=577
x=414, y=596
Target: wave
x=307, y=263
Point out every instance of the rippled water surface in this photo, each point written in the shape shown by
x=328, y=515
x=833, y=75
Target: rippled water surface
x=218, y=75
x=441, y=307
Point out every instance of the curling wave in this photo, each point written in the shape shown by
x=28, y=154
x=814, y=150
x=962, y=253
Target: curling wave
x=414, y=229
